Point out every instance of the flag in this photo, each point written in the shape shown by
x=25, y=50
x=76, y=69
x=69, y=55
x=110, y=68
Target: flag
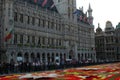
x=44, y=3
x=90, y=21
x=76, y=12
x=35, y=1
x=9, y=35
x=52, y=6
x=85, y=19
x=80, y=17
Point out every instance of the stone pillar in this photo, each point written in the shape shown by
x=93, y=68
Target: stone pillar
x=15, y=57
x=94, y=56
x=8, y=57
x=36, y=40
x=75, y=49
x=55, y=42
x=80, y=57
x=46, y=60
x=22, y=55
x=83, y=56
x=40, y=57
x=18, y=38
x=46, y=40
x=50, y=57
x=25, y=38
x=54, y=56
x=29, y=57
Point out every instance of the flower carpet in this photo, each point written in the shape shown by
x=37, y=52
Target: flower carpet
x=97, y=72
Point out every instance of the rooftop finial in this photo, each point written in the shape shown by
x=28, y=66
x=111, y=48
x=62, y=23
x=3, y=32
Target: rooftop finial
x=81, y=8
x=89, y=6
x=98, y=24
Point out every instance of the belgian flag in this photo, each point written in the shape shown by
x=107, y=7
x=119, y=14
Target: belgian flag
x=9, y=35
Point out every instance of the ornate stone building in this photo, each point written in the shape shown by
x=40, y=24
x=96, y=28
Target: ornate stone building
x=105, y=43
x=117, y=36
x=100, y=44
x=44, y=33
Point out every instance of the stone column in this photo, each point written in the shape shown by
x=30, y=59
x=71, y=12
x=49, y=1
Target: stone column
x=83, y=56
x=55, y=42
x=54, y=56
x=22, y=55
x=75, y=49
x=50, y=57
x=29, y=57
x=46, y=40
x=46, y=60
x=40, y=57
x=15, y=57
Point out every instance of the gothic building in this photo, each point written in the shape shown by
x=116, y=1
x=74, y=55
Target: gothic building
x=44, y=30
x=117, y=44
x=105, y=43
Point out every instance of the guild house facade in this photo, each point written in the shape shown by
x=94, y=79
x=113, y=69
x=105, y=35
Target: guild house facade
x=105, y=42
x=45, y=30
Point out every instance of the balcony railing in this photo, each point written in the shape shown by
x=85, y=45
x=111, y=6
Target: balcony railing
x=34, y=46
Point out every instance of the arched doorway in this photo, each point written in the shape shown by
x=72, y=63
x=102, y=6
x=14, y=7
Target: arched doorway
x=78, y=57
x=43, y=57
x=64, y=57
x=61, y=58
x=19, y=57
x=38, y=57
x=26, y=57
x=48, y=57
x=53, y=58
x=12, y=59
x=0, y=58
x=82, y=57
x=71, y=54
x=32, y=57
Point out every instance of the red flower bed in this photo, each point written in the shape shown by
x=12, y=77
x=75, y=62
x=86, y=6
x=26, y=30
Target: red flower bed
x=98, y=72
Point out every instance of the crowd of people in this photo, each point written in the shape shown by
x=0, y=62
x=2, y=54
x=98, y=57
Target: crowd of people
x=23, y=67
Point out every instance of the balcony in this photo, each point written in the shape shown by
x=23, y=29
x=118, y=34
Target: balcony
x=33, y=46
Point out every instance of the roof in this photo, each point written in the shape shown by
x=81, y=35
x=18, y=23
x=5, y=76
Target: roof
x=118, y=26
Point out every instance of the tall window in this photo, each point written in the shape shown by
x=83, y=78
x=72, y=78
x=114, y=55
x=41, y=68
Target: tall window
x=48, y=41
x=48, y=24
x=15, y=16
x=56, y=42
x=33, y=39
x=28, y=40
x=21, y=18
x=60, y=42
x=59, y=27
x=68, y=12
x=39, y=22
x=72, y=2
x=28, y=19
x=33, y=21
x=43, y=40
x=68, y=2
x=43, y=23
x=15, y=38
x=39, y=41
x=21, y=38
x=58, y=0
x=52, y=25
x=73, y=14
x=52, y=41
